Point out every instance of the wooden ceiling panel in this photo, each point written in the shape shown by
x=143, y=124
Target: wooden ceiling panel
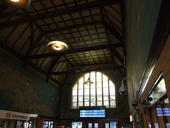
x=92, y=30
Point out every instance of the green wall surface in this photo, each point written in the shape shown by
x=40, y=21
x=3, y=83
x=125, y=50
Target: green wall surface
x=141, y=18
x=24, y=90
x=121, y=111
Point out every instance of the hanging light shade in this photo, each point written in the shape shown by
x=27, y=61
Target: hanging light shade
x=88, y=82
x=18, y=3
x=57, y=46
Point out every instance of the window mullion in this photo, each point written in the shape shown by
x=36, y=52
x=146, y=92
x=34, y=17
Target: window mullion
x=83, y=90
x=101, y=93
x=102, y=89
x=90, y=92
x=77, y=94
x=109, y=92
x=96, y=87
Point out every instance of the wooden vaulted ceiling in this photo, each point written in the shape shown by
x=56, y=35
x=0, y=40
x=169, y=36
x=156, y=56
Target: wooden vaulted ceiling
x=92, y=29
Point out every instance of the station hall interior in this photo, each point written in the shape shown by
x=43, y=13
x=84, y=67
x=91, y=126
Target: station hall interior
x=84, y=64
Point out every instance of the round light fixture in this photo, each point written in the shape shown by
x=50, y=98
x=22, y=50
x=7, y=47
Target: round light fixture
x=57, y=46
x=88, y=82
x=18, y=3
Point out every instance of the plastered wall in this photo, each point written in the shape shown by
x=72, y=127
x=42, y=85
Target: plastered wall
x=24, y=90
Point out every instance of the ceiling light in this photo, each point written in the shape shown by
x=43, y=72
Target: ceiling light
x=57, y=46
x=18, y=3
x=88, y=82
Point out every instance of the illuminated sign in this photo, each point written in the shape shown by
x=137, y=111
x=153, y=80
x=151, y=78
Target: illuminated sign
x=14, y=115
x=163, y=111
x=92, y=113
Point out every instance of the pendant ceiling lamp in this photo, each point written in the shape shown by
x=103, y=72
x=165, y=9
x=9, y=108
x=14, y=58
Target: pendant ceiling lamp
x=57, y=46
x=18, y=3
x=88, y=82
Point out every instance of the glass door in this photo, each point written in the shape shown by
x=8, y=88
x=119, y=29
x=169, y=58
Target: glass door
x=77, y=124
x=90, y=125
x=93, y=125
x=111, y=125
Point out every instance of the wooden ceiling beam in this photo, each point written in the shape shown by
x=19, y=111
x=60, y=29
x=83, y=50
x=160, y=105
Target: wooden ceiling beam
x=117, y=56
x=72, y=27
x=88, y=70
x=93, y=48
x=58, y=12
x=95, y=65
x=113, y=31
x=52, y=66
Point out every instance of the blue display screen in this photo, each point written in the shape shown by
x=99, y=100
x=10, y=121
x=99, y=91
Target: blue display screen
x=92, y=113
x=163, y=111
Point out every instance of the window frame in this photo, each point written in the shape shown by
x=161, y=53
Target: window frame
x=109, y=81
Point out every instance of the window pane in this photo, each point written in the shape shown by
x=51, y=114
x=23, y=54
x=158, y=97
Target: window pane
x=86, y=104
x=80, y=98
x=93, y=103
x=105, y=78
x=93, y=92
x=86, y=91
x=92, y=85
x=98, y=76
x=99, y=84
x=105, y=91
x=74, y=104
x=99, y=103
x=81, y=79
x=80, y=103
x=106, y=97
x=86, y=98
x=93, y=100
x=99, y=98
x=106, y=103
x=92, y=76
x=112, y=104
x=86, y=86
x=99, y=91
x=74, y=98
x=111, y=84
x=112, y=97
x=80, y=92
x=112, y=88
x=81, y=85
x=86, y=76
x=105, y=84
x=74, y=92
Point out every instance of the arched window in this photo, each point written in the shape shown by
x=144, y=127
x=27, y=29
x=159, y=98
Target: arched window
x=101, y=93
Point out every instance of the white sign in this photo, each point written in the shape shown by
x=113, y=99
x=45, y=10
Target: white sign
x=14, y=115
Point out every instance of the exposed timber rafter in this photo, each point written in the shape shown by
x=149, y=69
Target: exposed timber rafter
x=52, y=66
x=113, y=31
x=73, y=27
x=76, y=51
x=117, y=55
x=88, y=70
